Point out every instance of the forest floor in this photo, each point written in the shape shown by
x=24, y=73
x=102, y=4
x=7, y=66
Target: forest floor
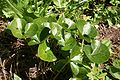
x=14, y=57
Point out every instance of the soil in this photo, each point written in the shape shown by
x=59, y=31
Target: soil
x=19, y=58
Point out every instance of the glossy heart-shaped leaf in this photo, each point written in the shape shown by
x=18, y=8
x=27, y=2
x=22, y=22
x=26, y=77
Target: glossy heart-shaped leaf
x=17, y=26
x=45, y=53
x=86, y=29
x=97, y=52
x=30, y=30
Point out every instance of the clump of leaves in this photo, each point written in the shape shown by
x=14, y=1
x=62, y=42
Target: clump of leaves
x=41, y=21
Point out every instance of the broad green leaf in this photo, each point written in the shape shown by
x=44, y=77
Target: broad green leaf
x=56, y=30
x=93, y=32
x=69, y=43
x=115, y=72
x=74, y=67
x=97, y=52
x=45, y=53
x=76, y=55
x=17, y=26
x=65, y=36
x=16, y=77
x=89, y=30
x=116, y=64
x=52, y=18
x=95, y=46
x=30, y=30
x=80, y=24
x=86, y=29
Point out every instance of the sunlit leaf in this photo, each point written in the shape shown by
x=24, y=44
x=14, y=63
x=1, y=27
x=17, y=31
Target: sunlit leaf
x=17, y=26
x=45, y=53
x=89, y=30
x=97, y=52
x=30, y=30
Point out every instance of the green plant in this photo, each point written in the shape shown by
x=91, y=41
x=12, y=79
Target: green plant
x=59, y=24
